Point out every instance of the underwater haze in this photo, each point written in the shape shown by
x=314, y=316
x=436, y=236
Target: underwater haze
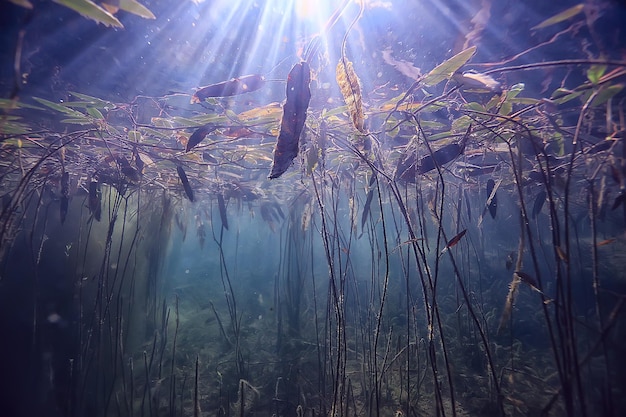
x=292, y=208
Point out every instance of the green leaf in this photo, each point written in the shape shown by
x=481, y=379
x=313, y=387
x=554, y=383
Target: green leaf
x=60, y=108
x=446, y=69
x=162, y=122
x=515, y=90
x=91, y=10
x=442, y=135
x=312, y=159
x=203, y=119
x=93, y=112
x=560, y=143
x=605, y=94
x=560, y=17
x=495, y=100
x=77, y=121
x=475, y=106
x=148, y=132
x=461, y=124
x=505, y=108
x=561, y=95
x=134, y=136
x=134, y=7
x=8, y=104
x=527, y=101
x=429, y=124
x=184, y=121
x=393, y=126
x=94, y=101
x=231, y=115
x=595, y=73
x=13, y=128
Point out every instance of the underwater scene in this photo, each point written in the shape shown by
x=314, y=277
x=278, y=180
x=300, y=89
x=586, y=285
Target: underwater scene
x=293, y=208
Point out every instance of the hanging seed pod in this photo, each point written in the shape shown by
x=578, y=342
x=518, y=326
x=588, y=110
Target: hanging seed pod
x=221, y=204
x=294, y=116
x=95, y=200
x=351, y=90
x=185, y=181
x=65, y=193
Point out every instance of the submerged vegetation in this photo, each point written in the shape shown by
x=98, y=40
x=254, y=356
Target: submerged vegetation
x=451, y=245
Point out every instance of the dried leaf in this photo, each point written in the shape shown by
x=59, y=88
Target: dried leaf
x=351, y=90
x=199, y=135
x=294, y=116
x=472, y=79
x=406, y=68
x=508, y=304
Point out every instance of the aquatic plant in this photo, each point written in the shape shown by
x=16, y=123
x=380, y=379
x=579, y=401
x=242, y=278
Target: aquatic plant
x=383, y=286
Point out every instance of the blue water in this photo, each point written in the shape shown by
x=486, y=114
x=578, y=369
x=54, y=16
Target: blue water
x=359, y=282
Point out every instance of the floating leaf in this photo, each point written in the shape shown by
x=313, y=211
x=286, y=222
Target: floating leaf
x=475, y=80
x=134, y=7
x=351, y=90
x=446, y=69
x=91, y=10
x=560, y=17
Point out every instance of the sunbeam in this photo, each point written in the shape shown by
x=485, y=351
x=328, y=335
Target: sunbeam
x=297, y=208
